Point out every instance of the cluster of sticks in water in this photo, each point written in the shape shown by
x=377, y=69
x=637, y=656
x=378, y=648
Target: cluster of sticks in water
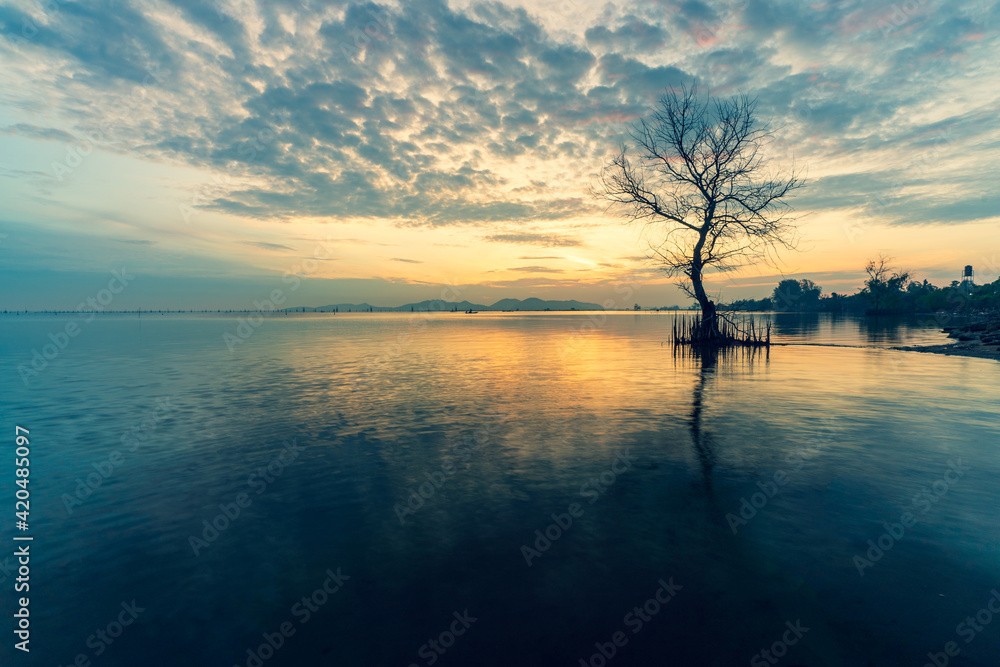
x=748, y=333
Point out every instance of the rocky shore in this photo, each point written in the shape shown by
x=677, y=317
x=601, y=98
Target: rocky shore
x=980, y=339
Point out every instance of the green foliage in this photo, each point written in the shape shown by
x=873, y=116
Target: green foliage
x=891, y=292
x=884, y=287
x=796, y=295
x=755, y=305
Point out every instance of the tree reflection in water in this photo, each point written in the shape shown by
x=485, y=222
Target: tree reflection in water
x=707, y=360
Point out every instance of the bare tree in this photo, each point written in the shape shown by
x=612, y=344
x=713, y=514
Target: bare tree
x=884, y=283
x=697, y=174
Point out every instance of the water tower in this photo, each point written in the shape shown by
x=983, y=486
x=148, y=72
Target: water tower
x=968, y=279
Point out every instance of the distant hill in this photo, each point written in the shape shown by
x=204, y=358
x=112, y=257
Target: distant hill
x=531, y=304
x=438, y=304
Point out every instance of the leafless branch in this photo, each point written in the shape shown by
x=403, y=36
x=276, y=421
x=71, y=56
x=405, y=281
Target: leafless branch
x=697, y=177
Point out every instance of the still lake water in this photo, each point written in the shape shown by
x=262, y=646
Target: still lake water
x=501, y=420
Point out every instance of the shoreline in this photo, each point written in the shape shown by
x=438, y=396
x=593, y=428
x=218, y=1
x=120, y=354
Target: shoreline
x=980, y=340
x=956, y=350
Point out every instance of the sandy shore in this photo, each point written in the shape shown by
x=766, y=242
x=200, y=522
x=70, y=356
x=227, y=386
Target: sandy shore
x=981, y=340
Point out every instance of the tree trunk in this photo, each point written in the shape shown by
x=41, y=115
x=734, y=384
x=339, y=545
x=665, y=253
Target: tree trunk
x=709, y=331
x=709, y=323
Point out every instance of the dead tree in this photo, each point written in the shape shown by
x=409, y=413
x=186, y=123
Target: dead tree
x=697, y=177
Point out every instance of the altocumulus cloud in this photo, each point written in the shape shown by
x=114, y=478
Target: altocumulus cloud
x=427, y=114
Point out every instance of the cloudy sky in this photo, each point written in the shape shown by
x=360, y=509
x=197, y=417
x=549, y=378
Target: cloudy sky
x=384, y=150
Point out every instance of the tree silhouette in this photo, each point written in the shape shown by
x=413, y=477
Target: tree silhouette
x=884, y=283
x=793, y=294
x=697, y=174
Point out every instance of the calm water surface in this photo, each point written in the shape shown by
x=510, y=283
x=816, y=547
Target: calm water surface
x=431, y=450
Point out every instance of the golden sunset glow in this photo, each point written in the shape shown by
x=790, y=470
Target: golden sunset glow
x=425, y=155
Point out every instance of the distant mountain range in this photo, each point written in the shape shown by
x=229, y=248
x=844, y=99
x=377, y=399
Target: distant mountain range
x=531, y=304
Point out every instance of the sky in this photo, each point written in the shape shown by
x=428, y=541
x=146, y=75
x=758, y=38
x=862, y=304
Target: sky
x=389, y=153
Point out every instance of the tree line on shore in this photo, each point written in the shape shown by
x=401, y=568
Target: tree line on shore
x=886, y=291
x=693, y=177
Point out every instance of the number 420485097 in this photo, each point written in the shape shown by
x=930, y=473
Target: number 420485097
x=22, y=473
